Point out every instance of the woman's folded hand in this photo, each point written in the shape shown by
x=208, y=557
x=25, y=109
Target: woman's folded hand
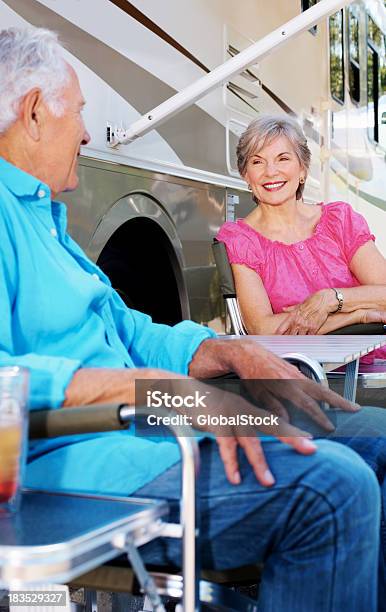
x=308, y=317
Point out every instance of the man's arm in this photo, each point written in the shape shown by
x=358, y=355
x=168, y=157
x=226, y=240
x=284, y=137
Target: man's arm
x=104, y=385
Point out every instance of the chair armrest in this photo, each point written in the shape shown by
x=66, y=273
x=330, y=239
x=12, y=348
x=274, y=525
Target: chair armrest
x=78, y=420
x=360, y=329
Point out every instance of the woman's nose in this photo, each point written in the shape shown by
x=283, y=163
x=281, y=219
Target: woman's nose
x=271, y=169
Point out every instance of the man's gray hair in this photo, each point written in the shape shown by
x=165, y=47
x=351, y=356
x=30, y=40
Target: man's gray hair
x=264, y=130
x=30, y=57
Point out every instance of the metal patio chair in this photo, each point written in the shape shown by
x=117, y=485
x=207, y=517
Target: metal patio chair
x=63, y=537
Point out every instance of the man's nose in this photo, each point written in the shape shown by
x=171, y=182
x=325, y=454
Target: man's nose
x=86, y=138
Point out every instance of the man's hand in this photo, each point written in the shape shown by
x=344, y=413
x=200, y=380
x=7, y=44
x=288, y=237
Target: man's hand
x=260, y=368
x=234, y=422
x=92, y=386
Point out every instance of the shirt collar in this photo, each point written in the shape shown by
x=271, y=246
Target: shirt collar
x=24, y=185
x=19, y=182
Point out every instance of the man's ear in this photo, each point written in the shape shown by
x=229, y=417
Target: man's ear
x=32, y=110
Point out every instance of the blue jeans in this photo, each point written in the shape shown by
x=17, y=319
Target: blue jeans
x=316, y=529
x=365, y=433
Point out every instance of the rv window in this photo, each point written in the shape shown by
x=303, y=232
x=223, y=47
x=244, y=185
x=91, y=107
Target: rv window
x=374, y=34
x=354, y=71
x=336, y=57
x=306, y=4
x=376, y=83
x=372, y=94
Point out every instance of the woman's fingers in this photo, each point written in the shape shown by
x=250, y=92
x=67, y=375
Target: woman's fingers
x=290, y=308
x=284, y=325
x=295, y=324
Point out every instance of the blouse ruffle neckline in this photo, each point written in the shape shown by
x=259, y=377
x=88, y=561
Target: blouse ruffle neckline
x=317, y=230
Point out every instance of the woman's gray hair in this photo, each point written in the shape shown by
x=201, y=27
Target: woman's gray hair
x=264, y=130
x=30, y=57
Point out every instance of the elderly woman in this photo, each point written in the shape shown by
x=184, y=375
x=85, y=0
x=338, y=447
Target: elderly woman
x=298, y=268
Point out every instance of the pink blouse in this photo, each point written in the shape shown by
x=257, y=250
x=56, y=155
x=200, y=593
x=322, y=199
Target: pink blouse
x=292, y=272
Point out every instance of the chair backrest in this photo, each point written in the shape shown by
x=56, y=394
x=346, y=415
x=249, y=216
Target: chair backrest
x=227, y=286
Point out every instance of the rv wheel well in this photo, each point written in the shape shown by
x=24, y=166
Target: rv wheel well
x=141, y=264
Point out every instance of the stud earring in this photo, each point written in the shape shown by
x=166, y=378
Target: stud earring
x=249, y=188
x=302, y=180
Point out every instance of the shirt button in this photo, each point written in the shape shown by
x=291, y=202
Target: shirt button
x=95, y=276
x=53, y=232
x=301, y=247
x=41, y=193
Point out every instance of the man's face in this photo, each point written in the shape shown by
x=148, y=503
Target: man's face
x=62, y=137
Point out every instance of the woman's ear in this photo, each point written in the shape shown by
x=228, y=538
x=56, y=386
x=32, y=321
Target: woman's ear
x=245, y=178
x=32, y=110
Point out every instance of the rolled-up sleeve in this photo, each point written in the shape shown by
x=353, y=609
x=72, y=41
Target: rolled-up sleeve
x=48, y=377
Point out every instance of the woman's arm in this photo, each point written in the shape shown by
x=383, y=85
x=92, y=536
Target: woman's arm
x=338, y=320
x=369, y=267
x=255, y=307
x=363, y=304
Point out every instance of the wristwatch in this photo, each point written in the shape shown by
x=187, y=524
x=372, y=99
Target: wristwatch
x=340, y=298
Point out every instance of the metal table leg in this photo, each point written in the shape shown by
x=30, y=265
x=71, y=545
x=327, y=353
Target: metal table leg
x=351, y=380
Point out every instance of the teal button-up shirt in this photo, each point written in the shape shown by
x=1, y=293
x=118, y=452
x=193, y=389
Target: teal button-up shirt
x=59, y=311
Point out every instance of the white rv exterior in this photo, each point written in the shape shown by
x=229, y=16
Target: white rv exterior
x=148, y=211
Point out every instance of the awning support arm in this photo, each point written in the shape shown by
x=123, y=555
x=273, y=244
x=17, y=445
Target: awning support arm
x=223, y=73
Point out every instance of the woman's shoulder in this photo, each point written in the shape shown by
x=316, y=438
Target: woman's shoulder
x=338, y=214
x=338, y=207
x=243, y=244
x=343, y=212
x=345, y=223
x=238, y=231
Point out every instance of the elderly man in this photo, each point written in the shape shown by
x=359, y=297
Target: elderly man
x=314, y=522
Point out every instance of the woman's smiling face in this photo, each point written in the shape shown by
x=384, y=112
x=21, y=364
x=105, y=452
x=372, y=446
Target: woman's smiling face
x=274, y=172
